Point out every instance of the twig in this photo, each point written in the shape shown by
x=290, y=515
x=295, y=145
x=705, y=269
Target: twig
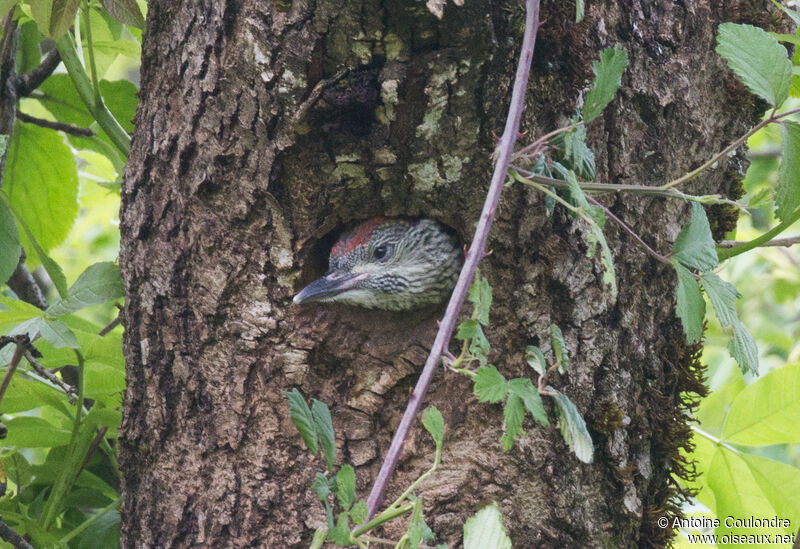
x=609, y=213
x=22, y=344
x=10, y=535
x=775, y=242
x=98, y=438
x=726, y=253
x=50, y=376
x=62, y=126
x=475, y=253
x=26, y=83
x=113, y=324
x=720, y=155
x=313, y=97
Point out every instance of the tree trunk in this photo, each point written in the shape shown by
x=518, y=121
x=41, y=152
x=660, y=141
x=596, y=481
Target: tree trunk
x=251, y=149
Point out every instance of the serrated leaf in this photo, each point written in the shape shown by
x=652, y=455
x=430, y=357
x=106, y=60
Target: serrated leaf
x=41, y=183
x=10, y=248
x=513, y=414
x=768, y=411
x=690, y=306
x=787, y=193
x=346, y=486
x=321, y=486
x=302, y=418
x=479, y=346
x=576, y=153
x=490, y=385
x=416, y=526
x=340, y=534
x=694, y=246
x=608, y=77
x=99, y=283
x=743, y=348
x=125, y=11
x=324, y=427
x=573, y=427
x=524, y=389
x=480, y=295
x=759, y=61
x=55, y=332
x=485, y=530
x=559, y=348
x=467, y=329
x=433, y=421
x=723, y=298
x=535, y=359
x=358, y=512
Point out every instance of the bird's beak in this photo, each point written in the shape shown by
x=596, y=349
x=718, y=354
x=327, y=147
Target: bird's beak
x=329, y=285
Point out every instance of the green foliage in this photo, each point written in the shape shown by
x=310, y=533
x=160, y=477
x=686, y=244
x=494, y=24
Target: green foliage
x=787, y=194
x=490, y=385
x=125, y=11
x=433, y=422
x=694, y=247
x=302, y=418
x=99, y=283
x=9, y=242
x=485, y=530
x=324, y=428
x=573, y=427
x=757, y=59
x=690, y=305
x=608, y=77
x=54, y=17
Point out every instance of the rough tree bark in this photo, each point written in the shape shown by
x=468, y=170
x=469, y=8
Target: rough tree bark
x=241, y=172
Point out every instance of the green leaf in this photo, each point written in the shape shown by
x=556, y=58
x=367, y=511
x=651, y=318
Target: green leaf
x=467, y=329
x=358, y=512
x=524, y=389
x=559, y=348
x=480, y=294
x=513, y=414
x=743, y=348
x=736, y=493
x=535, y=359
x=779, y=482
x=321, y=486
x=608, y=77
x=694, y=246
x=125, y=11
x=690, y=306
x=416, y=526
x=576, y=154
x=41, y=182
x=346, y=486
x=99, y=283
x=768, y=411
x=433, y=421
x=479, y=346
x=485, y=530
x=324, y=427
x=793, y=15
x=302, y=419
x=13, y=311
x=53, y=269
x=340, y=534
x=723, y=298
x=54, y=17
x=787, y=194
x=34, y=432
x=5, y=7
x=490, y=385
x=757, y=59
x=573, y=427
x=579, y=9
x=55, y=332
x=10, y=248
x=17, y=469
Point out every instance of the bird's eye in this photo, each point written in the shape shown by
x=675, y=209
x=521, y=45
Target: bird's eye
x=382, y=252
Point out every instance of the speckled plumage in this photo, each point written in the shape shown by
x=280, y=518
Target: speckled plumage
x=389, y=263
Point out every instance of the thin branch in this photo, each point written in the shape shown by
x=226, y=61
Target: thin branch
x=22, y=344
x=11, y=536
x=475, y=253
x=630, y=231
x=720, y=155
x=727, y=253
x=26, y=83
x=50, y=376
x=62, y=126
x=315, y=94
x=775, y=242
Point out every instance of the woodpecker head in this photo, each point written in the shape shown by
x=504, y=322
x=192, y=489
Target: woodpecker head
x=389, y=263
